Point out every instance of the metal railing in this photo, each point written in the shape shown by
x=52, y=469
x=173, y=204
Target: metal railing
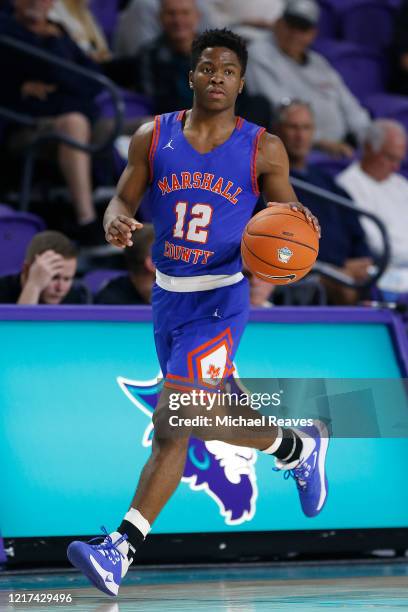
x=38, y=140
x=330, y=271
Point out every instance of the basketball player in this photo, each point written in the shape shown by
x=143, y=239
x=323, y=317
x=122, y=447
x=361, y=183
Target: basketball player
x=202, y=169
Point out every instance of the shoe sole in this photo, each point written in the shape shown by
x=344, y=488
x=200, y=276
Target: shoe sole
x=324, y=445
x=81, y=562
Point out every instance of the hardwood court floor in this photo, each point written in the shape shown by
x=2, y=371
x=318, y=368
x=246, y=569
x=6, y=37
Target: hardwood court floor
x=223, y=589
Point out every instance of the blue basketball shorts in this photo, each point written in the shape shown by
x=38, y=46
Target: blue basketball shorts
x=197, y=333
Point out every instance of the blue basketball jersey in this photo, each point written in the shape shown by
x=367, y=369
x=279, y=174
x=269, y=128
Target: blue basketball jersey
x=200, y=202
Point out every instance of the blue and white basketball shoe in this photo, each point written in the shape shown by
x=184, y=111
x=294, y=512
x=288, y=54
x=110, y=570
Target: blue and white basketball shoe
x=104, y=564
x=309, y=472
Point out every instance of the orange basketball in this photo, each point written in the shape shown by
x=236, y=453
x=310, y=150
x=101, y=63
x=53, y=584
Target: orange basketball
x=279, y=245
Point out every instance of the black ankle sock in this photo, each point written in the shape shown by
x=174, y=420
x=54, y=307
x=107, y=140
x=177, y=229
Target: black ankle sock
x=134, y=536
x=290, y=447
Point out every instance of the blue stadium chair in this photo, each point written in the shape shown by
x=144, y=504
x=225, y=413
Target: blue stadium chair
x=5, y=209
x=97, y=279
x=404, y=168
x=16, y=232
x=106, y=14
x=328, y=22
x=389, y=106
x=368, y=22
x=394, y=3
x=136, y=105
x=330, y=165
x=363, y=70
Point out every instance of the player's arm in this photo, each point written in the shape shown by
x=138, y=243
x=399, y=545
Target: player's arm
x=118, y=221
x=273, y=166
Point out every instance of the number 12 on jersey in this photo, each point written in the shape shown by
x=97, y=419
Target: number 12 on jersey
x=200, y=217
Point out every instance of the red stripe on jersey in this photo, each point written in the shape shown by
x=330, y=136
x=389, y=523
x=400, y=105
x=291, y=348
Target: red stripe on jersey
x=153, y=145
x=254, y=179
x=240, y=123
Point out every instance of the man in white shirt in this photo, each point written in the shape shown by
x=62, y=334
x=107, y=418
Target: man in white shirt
x=375, y=186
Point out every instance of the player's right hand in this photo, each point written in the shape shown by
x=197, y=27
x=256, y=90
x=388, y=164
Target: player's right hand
x=118, y=231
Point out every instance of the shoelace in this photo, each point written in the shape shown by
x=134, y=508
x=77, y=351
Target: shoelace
x=298, y=474
x=109, y=548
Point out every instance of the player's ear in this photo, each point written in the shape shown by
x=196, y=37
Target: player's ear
x=241, y=86
x=190, y=79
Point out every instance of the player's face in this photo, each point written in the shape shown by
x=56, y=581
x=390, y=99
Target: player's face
x=217, y=79
x=296, y=131
x=60, y=284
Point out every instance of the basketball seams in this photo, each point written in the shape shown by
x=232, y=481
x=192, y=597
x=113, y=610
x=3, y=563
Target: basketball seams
x=268, y=263
x=271, y=212
x=285, y=239
x=283, y=214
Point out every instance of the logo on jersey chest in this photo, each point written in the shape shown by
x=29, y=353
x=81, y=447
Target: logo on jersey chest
x=200, y=180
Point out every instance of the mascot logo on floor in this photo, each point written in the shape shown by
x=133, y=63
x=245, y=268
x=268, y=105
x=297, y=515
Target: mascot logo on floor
x=224, y=472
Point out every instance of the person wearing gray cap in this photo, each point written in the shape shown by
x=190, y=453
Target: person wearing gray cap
x=282, y=66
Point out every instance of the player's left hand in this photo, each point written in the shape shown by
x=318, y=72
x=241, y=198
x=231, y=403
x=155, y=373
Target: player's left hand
x=297, y=206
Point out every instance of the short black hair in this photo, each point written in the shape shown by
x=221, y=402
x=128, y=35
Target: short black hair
x=220, y=38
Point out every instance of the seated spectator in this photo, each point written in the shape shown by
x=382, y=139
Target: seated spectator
x=343, y=242
x=260, y=292
x=77, y=19
x=282, y=66
x=160, y=69
x=375, y=186
x=136, y=286
x=47, y=275
x=60, y=100
x=139, y=23
x=309, y=291
x=306, y=292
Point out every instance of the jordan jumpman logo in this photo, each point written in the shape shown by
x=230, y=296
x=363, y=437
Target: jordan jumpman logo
x=168, y=145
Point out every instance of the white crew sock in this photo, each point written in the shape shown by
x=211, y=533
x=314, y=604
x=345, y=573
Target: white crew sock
x=276, y=444
x=138, y=520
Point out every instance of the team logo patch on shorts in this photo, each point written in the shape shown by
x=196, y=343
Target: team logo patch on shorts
x=284, y=254
x=210, y=362
x=213, y=365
